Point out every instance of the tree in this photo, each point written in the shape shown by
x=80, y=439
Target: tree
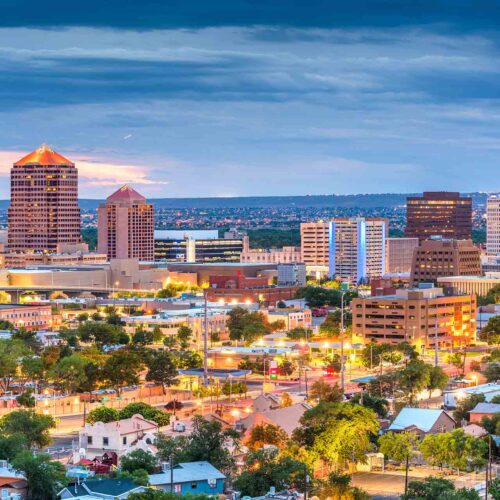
x=184, y=334
x=11, y=352
x=26, y=399
x=286, y=400
x=298, y=333
x=465, y=405
x=98, y=332
x=399, y=447
x=379, y=405
x=32, y=368
x=207, y=442
x=102, y=414
x=492, y=372
x=186, y=360
x=162, y=370
x=32, y=426
x=10, y=446
x=317, y=296
x=122, y=368
x=332, y=324
x=338, y=486
x=147, y=411
x=437, y=379
x=286, y=368
x=266, y=434
x=414, y=378
x=45, y=477
x=323, y=391
x=154, y=494
x=137, y=476
x=337, y=432
x=138, y=459
x=50, y=356
x=266, y=468
x=69, y=372
x=157, y=334
x=432, y=488
x=455, y=449
x=491, y=332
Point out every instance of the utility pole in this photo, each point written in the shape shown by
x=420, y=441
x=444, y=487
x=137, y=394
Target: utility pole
x=205, y=341
x=342, y=367
x=436, y=346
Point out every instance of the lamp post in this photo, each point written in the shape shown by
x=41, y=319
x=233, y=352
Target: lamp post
x=342, y=363
x=205, y=340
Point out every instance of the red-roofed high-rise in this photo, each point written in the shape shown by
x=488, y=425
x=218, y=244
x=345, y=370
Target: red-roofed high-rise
x=43, y=210
x=125, y=227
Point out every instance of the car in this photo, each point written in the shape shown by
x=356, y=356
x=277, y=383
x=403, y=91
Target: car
x=173, y=405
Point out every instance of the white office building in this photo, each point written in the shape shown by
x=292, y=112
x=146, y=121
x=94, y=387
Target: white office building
x=493, y=225
x=357, y=248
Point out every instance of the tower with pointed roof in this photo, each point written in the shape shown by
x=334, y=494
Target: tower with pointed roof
x=43, y=210
x=125, y=226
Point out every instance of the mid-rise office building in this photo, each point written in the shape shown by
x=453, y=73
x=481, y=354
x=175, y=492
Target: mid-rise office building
x=444, y=214
x=274, y=255
x=125, y=226
x=493, y=225
x=399, y=254
x=314, y=244
x=43, y=210
x=419, y=316
x=437, y=258
x=357, y=248
x=477, y=285
x=292, y=274
x=196, y=246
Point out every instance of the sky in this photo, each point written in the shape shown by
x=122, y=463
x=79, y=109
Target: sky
x=196, y=98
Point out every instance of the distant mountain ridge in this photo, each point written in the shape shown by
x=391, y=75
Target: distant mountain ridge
x=385, y=200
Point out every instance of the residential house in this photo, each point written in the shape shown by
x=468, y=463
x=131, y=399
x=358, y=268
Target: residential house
x=108, y=489
x=120, y=437
x=453, y=396
x=483, y=410
x=189, y=477
x=422, y=421
x=13, y=484
x=287, y=418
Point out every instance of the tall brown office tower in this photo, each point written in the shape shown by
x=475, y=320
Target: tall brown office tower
x=125, y=226
x=439, y=214
x=43, y=210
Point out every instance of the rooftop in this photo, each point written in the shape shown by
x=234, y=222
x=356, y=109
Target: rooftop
x=187, y=472
x=125, y=193
x=44, y=156
x=486, y=408
x=422, y=418
x=125, y=426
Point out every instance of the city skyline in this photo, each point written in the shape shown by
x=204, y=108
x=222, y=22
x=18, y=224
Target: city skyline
x=290, y=101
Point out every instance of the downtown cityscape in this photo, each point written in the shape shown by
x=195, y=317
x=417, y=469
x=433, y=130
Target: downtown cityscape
x=249, y=252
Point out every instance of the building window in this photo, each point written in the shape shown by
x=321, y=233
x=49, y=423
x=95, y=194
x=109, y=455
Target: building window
x=89, y=439
x=193, y=486
x=124, y=440
x=105, y=441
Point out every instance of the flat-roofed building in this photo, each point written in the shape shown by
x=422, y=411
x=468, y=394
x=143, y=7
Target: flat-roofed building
x=478, y=285
x=314, y=245
x=29, y=316
x=439, y=257
x=293, y=318
x=283, y=255
x=416, y=316
x=196, y=246
x=357, y=248
x=445, y=214
x=493, y=225
x=399, y=254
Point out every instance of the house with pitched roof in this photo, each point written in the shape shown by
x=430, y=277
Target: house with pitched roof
x=422, y=421
x=107, y=489
x=189, y=477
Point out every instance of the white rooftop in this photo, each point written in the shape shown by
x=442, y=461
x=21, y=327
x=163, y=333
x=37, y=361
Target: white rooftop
x=422, y=418
x=187, y=472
